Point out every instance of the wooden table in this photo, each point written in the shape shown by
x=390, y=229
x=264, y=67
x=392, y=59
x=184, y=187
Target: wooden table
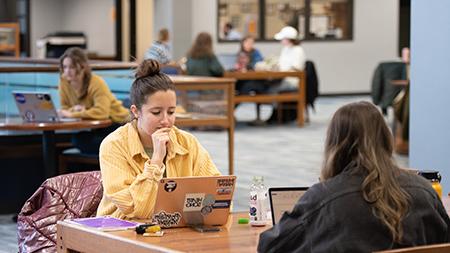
x=185, y=84
x=48, y=136
x=233, y=237
x=298, y=96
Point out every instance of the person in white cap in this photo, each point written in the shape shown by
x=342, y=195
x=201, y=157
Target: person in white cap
x=292, y=58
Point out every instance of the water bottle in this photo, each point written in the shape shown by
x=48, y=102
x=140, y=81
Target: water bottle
x=258, y=205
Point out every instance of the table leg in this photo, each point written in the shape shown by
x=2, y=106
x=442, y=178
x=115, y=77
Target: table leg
x=49, y=156
x=231, y=149
x=258, y=112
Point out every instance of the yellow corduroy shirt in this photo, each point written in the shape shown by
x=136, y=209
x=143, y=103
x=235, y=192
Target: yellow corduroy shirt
x=130, y=182
x=99, y=102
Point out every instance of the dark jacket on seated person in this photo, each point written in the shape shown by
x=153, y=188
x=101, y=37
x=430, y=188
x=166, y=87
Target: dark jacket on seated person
x=204, y=66
x=334, y=217
x=383, y=92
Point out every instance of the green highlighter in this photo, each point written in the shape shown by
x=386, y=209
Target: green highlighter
x=243, y=221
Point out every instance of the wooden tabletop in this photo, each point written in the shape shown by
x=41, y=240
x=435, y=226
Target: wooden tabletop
x=180, y=79
x=233, y=237
x=19, y=124
x=251, y=75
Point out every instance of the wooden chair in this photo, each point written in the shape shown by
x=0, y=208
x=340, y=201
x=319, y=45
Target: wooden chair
x=435, y=248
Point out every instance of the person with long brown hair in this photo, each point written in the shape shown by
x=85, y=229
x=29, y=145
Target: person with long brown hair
x=201, y=60
x=364, y=201
x=138, y=154
x=248, y=48
x=86, y=95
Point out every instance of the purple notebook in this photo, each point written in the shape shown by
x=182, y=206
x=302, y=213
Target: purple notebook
x=106, y=223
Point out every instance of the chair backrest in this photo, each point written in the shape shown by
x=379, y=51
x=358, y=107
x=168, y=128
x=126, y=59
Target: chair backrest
x=436, y=248
x=312, y=83
x=171, y=70
x=68, y=196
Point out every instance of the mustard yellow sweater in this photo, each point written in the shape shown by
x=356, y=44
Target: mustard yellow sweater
x=130, y=182
x=100, y=103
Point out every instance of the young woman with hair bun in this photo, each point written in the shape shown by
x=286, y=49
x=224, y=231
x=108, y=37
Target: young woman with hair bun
x=137, y=155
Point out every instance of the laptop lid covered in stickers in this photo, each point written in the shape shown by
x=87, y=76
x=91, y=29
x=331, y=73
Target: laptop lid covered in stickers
x=36, y=106
x=191, y=201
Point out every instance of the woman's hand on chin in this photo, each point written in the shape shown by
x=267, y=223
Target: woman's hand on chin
x=160, y=139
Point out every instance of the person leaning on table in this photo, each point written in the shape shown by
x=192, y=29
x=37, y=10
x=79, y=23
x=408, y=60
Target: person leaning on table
x=137, y=155
x=201, y=60
x=87, y=96
x=364, y=201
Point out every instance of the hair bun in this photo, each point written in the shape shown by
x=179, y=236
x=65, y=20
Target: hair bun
x=147, y=67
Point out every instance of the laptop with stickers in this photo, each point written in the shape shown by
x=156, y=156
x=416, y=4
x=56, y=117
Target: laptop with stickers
x=193, y=201
x=283, y=199
x=37, y=106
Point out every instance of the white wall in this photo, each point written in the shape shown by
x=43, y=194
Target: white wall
x=182, y=28
x=94, y=18
x=45, y=17
x=163, y=16
x=343, y=67
x=430, y=89
x=175, y=15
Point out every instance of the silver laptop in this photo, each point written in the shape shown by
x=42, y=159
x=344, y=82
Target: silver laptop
x=37, y=106
x=283, y=199
x=227, y=61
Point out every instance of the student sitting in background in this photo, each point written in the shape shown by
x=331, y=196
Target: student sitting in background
x=364, y=202
x=230, y=33
x=160, y=50
x=137, y=155
x=248, y=56
x=201, y=60
x=292, y=58
x=86, y=95
x=253, y=54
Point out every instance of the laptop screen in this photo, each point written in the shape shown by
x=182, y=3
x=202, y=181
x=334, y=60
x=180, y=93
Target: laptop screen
x=227, y=61
x=283, y=199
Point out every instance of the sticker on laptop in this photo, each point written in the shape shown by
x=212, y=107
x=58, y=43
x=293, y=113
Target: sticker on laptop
x=29, y=116
x=46, y=105
x=166, y=219
x=170, y=186
x=225, y=186
x=206, y=210
x=193, y=202
x=224, y=191
x=222, y=204
x=225, y=182
x=20, y=98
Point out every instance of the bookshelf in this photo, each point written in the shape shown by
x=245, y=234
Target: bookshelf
x=9, y=39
